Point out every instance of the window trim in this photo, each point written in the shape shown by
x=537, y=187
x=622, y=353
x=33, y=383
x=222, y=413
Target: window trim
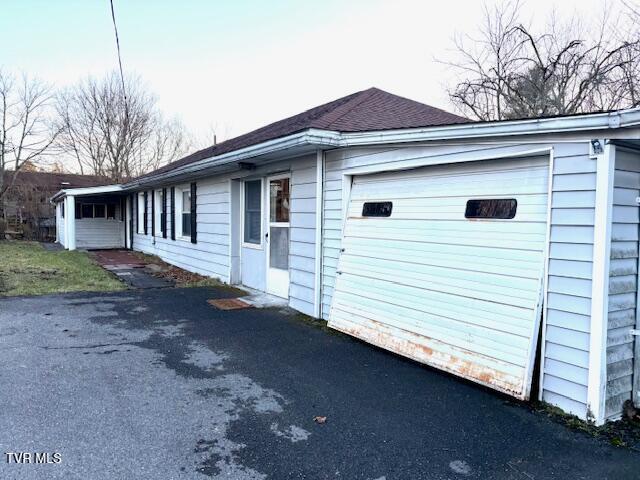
x=140, y=213
x=157, y=214
x=79, y=205
x=255, y=246
x=180, y=189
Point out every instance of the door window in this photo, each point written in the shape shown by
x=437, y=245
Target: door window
x=252, y=211
x=279, y=248
x=279, y=202
x=279, y=205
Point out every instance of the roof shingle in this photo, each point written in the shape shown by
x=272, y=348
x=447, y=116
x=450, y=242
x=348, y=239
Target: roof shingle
x=371, y=109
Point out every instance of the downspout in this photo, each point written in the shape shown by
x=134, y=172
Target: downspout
x=317, y=308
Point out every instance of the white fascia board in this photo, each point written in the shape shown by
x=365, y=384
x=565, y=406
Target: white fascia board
x=598, y=121
x=307, y=137
x=86, y=191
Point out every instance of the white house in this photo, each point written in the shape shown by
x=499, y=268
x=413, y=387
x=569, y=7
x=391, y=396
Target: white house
x=481, y=248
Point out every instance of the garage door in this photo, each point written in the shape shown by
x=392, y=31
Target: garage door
x=445, y=265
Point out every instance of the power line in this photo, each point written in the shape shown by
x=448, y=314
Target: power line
x=115, y=28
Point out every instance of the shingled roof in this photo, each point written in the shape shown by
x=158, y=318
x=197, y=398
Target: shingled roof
x=371, y=109
x=53, y=181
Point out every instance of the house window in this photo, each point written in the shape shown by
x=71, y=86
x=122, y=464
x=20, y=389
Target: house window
x=99, y=210
x=377, y=209
x=252, y=212
x=141, y=213
x=62, y=209
x=158, y=213
x=186, y=213
x=498, y=208
x=87, y=210
x=95, y=210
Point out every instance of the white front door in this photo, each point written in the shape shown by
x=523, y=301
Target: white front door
x=277, y=235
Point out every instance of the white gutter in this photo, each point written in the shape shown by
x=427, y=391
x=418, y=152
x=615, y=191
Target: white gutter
x=597, y=121
x=308, y=137
x=87, y=191
x=333, y=139
x=328, y=138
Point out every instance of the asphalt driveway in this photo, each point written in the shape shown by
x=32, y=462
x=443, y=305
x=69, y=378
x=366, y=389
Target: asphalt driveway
x=157, y=384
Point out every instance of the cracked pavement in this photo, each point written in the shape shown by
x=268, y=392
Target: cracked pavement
x=158, y=384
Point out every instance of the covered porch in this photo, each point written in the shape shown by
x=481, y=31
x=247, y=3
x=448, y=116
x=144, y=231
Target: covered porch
x=93, y=218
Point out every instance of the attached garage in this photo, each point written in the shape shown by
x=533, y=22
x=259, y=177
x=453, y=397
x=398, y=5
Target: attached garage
x=445, y=265
x=468, y=246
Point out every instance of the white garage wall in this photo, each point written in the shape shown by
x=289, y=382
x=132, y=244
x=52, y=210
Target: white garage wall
x=623, y=275
x=211, y=255
x=573, y=197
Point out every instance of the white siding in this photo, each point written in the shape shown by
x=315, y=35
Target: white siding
x=566, y=362
x=303, y=231
x=99, y=233
x=571, y=248
x=623, y=278
x=210, y=256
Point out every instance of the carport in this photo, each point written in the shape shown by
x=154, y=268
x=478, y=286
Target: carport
x=92, y=218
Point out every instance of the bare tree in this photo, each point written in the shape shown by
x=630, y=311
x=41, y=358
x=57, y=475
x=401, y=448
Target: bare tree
x=26, y=133
x=115, y=133
x=511, y=71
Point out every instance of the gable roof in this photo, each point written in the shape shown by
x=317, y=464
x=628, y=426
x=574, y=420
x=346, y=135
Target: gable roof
x=53, y=181
x=371, y=109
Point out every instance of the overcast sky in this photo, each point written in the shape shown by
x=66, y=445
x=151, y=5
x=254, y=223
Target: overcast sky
x=237, y=65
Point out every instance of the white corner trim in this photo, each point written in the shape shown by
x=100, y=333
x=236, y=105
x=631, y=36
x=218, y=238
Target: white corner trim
x=317, y=307
x=596, y=389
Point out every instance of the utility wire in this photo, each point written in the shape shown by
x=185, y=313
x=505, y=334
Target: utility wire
x=115, y=28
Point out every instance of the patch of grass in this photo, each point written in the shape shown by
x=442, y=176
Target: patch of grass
x=28, y=269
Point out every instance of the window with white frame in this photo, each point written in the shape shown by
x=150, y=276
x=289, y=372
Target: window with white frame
x=185, y=213
x=158, y=213
x=141, y=212
x=95, y=210
x=252, y=212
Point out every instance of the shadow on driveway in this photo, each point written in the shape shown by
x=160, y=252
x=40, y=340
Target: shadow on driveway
x=158, y=384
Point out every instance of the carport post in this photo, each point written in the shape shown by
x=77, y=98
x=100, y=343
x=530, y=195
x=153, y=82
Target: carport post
x=70, y=222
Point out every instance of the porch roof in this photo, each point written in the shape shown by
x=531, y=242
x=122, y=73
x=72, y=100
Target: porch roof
x=81, y=192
